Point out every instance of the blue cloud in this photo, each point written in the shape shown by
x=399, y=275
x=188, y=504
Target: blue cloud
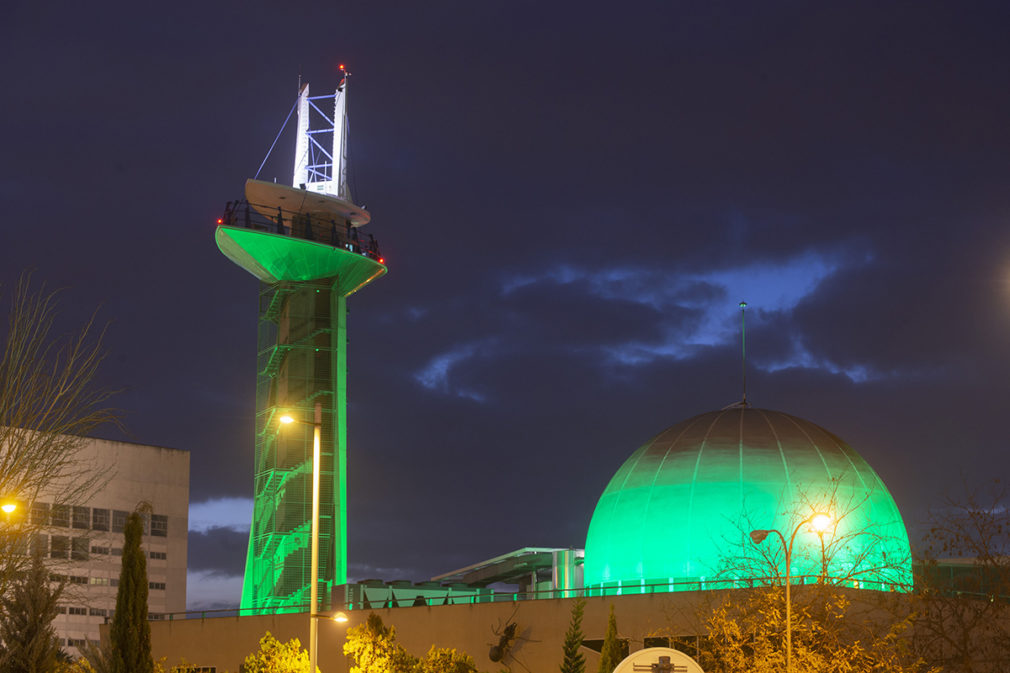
x=769, y=287
x=436, y=375
x=232, y=513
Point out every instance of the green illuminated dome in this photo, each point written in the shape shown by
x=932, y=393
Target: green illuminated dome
x=681, y=508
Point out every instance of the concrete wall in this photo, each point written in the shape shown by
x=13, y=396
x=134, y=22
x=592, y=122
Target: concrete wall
x=224, y=642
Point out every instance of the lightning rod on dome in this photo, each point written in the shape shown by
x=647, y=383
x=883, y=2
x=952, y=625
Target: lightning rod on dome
x=743, y=349
x=742, y=404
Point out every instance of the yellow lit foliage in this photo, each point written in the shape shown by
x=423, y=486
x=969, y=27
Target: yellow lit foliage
x=746, y=632
x=274, y=656
x=373, y=647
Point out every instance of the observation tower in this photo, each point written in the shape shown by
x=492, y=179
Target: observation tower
x=303, y=242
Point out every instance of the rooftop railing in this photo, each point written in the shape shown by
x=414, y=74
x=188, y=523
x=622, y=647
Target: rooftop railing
x=337, y=233
x=392, y=596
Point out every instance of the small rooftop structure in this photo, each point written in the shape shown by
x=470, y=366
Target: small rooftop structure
x=530, y=567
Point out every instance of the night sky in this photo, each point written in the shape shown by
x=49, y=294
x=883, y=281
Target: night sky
x=572, y=198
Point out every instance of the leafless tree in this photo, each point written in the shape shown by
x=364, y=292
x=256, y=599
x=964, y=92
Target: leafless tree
x=49, y=401
x=833, y=624
x=853, y=551
x=963, y=586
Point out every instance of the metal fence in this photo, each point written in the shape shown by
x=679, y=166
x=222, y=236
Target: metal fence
x=389, y=596
x=300, y=225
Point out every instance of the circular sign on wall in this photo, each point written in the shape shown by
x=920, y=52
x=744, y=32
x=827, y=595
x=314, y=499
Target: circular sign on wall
x=658, y=660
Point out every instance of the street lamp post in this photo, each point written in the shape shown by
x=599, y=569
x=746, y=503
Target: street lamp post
x=820, y=523
x=317, y=428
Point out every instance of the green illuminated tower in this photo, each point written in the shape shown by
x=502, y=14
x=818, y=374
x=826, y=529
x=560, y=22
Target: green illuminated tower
x=303, y=243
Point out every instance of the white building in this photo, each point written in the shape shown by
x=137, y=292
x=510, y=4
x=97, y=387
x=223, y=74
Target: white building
x=84, y=541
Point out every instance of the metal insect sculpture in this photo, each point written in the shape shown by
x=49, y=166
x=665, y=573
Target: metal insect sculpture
x=507, y=634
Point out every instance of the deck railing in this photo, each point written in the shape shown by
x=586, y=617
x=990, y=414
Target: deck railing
x=337, y=233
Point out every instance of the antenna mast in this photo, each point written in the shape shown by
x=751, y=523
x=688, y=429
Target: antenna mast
x=743, y=349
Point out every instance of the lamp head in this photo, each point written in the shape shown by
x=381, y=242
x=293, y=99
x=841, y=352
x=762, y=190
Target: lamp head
x=340, y=618
x=821, y=523
x=8, y=507
x=758, y=536
x=286, y=419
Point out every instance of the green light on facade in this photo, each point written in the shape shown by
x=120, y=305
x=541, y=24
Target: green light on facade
x=680, y=509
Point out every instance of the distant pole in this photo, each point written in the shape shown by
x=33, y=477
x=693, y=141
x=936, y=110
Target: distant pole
x=743, y=347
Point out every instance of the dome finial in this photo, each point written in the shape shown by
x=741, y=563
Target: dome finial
x=743, y=350
x=743, y=403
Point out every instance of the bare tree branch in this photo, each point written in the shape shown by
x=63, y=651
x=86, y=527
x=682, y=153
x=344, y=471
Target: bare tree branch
x=49, y=403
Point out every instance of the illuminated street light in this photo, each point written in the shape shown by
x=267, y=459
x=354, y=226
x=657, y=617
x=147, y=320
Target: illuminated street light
x=340, y=618
x=317, y=426
x=819, y=523
x=8, y=507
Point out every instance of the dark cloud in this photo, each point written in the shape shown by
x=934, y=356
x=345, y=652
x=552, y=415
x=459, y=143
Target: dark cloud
x=217, y=550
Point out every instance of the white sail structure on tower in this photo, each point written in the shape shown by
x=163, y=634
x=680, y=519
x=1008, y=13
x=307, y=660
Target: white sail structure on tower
x=320, y=168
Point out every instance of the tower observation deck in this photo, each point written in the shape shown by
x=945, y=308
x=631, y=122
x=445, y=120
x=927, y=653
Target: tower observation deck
x=304, y=244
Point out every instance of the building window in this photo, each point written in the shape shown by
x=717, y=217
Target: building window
x=60, y=609
x=119, y=520
x=40, y=513
x=60, y=516
x=77, y=579
x=77, y=611
x=82, y=517
x=114, y=582
x=100, y=550
x=99, y=581
x=79, y=549
x=59, y=546
x=156, y=585
x=97, y=612
x=159, y=525
x=40, y=544
x=100, y=519
x=160, y=555
x=117, y=551
x=76, y=642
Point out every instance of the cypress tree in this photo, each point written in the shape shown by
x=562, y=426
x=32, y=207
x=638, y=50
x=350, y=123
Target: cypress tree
x=574, y=661
x=130, y=632
x=610, y=655
x=26, y=622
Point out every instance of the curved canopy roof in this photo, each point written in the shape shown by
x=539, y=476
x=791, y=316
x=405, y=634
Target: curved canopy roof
x=276, y=257
x=681, y=508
